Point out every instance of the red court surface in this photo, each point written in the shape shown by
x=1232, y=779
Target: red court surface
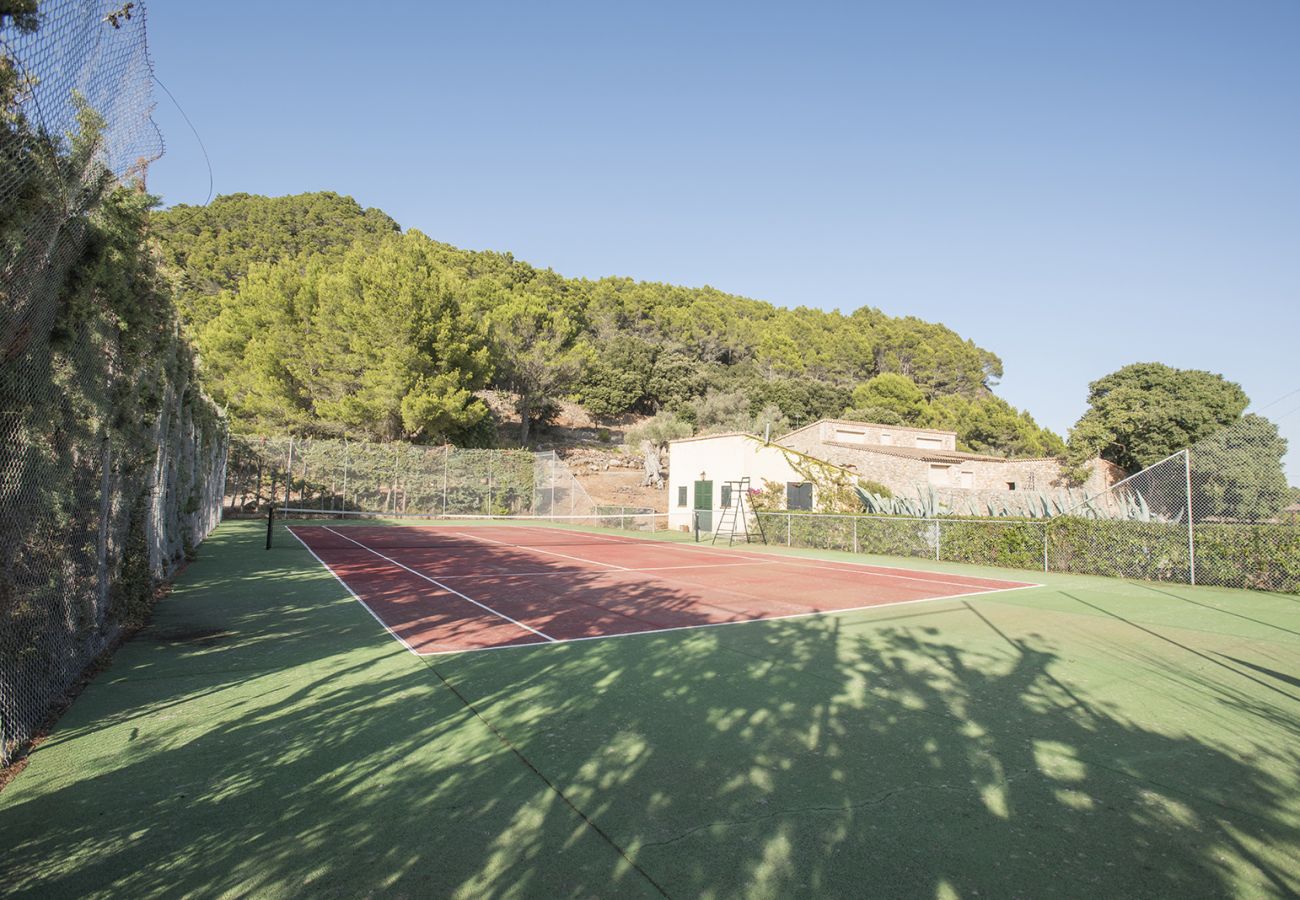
x=450, y=590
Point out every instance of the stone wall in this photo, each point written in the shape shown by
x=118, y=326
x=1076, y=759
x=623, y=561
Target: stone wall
x=955, y=472
x=869, y=434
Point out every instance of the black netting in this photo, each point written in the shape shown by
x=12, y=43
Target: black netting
x=111, y=459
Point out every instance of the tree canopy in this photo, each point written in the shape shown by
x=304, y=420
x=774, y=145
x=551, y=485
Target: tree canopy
x=212, y=248
x=376, y=342
x=1143, y=412
x=1237, y=472
x=315, y=314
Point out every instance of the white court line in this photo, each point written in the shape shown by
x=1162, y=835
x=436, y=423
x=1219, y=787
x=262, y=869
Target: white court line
x=804, y=615
x=581, y=559
x=434, y=581
x=355, y=595
x=806, y=561
x=821, y=612
x=486, y=574
x=690, y=584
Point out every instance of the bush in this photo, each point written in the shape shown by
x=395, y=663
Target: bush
x=658, y=430
x=1257, y=557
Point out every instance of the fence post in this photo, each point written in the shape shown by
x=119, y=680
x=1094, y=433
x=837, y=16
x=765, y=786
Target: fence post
x=288, y=484
x=855, y=534
x=937, y=535
x=1191, y=542
x=490, y=470
x=1047, y=527
x=788, y=519
x=270, y=523
x=445, y=456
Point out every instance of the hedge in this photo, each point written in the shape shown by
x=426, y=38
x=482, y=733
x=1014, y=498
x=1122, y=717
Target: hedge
x=1259, y=557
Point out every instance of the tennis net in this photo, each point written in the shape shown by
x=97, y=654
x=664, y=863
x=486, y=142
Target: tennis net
x=353, y=530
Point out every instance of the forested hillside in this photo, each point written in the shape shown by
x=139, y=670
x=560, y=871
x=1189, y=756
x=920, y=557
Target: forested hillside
x=314, y=314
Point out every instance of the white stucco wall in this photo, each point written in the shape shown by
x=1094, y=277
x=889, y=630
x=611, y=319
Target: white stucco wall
x=724, y=457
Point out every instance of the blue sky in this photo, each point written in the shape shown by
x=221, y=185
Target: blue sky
x=1075, y=187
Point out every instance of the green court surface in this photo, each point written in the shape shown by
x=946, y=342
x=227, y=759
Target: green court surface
x=265, y=737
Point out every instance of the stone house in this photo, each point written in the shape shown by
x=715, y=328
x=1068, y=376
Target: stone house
x=903, y=459
x=906, y=460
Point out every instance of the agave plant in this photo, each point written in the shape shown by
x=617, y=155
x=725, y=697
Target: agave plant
x=1122, y=505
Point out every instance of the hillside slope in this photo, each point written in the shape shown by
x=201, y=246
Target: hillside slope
x=317, y=315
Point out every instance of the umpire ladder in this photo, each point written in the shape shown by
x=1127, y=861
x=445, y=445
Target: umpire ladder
x=735, y=516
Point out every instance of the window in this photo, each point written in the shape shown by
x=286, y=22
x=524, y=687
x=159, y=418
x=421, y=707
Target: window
x=681, y=495
x=848, y=436
x=1011, y=485
x=938, y=474
x=726, y=496
x=968, y=479
x=798, y=495
x=886, y=438
x=929, y=443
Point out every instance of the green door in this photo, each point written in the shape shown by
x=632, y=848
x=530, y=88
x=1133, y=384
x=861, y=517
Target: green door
x=704, y=505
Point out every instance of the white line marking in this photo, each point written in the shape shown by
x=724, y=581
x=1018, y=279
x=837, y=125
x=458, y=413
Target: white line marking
x=355, y=595
x=822, y=612
x=434, y=581
x=581, y=559
x=766, y=558
x=805, y=562
x=489, y=574
x=709, y=589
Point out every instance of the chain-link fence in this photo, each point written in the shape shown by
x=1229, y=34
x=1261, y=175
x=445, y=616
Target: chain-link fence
x=110, y=457
x=1219, y=513
x=396, y=478
x=557, y=492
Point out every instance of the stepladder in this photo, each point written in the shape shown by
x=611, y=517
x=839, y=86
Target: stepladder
x=738, y=521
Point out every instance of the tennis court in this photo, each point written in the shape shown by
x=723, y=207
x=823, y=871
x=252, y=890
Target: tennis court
x=265, y=736
x=452, y=588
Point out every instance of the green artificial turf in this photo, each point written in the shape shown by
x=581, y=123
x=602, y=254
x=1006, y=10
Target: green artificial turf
x=264, y=736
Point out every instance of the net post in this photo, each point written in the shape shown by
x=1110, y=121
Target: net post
x=1191, y=542
x=270, y=524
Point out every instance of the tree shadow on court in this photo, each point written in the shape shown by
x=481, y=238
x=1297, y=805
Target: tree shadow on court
x=916, y=753
x=948, y=749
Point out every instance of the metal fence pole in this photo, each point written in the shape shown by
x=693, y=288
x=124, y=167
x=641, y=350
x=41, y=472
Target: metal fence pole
x=347, y=461
x=1191, y=542
x=445, y=457
x=288, y=484
x=938, y=538
x=855, y=534
x=789, y=517
x=1047, y=527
